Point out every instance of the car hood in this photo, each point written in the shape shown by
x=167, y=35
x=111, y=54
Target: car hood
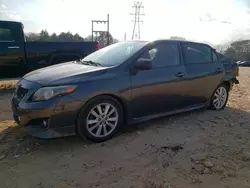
x=64, y=73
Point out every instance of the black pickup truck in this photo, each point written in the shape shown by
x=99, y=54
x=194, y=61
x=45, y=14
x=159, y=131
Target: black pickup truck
x=18, y=57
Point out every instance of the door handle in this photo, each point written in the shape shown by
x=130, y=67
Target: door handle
x=179, y=74
x=13, y=47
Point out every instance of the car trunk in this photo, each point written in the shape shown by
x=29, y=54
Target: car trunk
x=229, y=65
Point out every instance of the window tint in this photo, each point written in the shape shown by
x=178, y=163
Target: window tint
x=163, y=55
x=6, y=35
x=197, y=53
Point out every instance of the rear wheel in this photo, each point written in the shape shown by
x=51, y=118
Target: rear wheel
x=100, y=119
x=220, y=97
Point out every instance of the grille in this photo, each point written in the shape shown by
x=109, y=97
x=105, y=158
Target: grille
x=21, y=92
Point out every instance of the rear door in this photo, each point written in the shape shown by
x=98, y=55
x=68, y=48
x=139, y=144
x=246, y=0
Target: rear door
x=12, y=57
x=161, y=88
x=204, y=71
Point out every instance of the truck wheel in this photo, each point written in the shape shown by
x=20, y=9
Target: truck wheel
x=219, y=98
x=100, y=119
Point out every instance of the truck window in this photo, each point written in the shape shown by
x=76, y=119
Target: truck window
x=6, y=35
x=197, y=53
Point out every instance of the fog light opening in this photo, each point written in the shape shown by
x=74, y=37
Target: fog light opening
x=45, y=123
x=39, y=123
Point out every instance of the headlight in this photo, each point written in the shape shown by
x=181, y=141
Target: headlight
x=46, y=93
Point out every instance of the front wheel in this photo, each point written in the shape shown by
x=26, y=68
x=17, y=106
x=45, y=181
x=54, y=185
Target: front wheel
x=100, y=119
x=220, y=97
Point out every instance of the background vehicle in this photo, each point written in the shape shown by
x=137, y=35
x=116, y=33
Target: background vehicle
x=244, y=64
x=18, y=57
x=126, y=82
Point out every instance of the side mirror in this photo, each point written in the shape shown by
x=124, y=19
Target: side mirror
x=143, y=64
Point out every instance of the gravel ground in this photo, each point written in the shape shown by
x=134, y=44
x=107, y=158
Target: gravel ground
x=8, y=83
x=197, y=149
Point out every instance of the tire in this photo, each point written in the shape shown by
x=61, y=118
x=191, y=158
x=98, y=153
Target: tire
x=221, y=94
x=99, y=128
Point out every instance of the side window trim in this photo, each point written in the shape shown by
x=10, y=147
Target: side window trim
x=181, y=55
x=191, y=63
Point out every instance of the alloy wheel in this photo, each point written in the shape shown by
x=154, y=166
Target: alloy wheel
x=102, y=120
x=220, y=97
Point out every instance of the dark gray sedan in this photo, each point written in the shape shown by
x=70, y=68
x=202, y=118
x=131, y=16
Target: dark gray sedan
x=123, y=83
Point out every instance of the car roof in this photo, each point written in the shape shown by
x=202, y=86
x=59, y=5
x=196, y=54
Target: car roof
x=168, y=40
x=180, y=41
x=7, y=21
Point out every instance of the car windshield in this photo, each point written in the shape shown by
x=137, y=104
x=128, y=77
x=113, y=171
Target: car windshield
x=114, y=54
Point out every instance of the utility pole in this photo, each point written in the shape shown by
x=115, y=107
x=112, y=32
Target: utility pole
x=94, y=32
x=137, y=13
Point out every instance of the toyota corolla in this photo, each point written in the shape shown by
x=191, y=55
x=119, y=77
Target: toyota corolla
x=123, y=83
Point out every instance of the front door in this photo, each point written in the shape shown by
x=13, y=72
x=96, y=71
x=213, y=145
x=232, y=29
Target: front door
x=204, y=72
x=161, y=88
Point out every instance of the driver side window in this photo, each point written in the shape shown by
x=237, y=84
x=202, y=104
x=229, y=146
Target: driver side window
x=149, y=54
x=163, y=55
x=152, y=53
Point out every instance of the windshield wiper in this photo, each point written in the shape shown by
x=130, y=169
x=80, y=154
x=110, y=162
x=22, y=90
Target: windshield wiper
x=91, y=63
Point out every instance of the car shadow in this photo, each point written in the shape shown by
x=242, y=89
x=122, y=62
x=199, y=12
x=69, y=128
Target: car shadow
x=13, y=136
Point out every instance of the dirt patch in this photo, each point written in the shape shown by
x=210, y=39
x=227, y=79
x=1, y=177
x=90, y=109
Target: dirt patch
x=6, y=84
x=198, y=149
x=5, y=105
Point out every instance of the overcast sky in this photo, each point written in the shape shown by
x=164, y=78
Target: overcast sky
x=213, y=21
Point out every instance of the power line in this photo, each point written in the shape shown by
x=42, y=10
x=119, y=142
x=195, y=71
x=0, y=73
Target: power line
x=137, y=13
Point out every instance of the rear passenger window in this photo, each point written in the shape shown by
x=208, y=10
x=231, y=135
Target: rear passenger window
x=197, y=53
x=162, y=55
x=215, y=58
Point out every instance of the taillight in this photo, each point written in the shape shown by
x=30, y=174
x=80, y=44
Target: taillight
x=97, y=46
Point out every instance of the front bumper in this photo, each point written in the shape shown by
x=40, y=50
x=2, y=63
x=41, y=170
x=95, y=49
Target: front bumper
x=47, y=119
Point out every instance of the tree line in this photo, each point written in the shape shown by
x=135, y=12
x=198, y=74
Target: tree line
x=45, y=36
x=68, y=36
x=238, y=50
